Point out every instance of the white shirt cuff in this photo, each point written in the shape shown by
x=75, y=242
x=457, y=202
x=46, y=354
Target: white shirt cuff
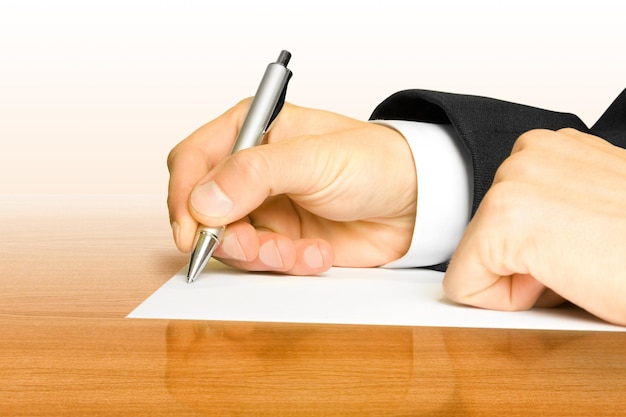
x=444, y=189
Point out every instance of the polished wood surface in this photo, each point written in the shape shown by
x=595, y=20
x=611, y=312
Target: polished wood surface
x=72, y=268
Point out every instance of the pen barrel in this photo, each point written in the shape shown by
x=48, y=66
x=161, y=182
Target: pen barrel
x=266, y=104
x=268, y=95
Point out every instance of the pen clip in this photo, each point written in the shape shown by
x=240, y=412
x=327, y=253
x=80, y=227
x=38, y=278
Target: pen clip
x=280, y=103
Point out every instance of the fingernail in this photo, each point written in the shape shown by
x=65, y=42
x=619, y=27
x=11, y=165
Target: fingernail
x=176, y=231
x=232, y=248
x=209, y=200
x=269, y=255
x=313, y=257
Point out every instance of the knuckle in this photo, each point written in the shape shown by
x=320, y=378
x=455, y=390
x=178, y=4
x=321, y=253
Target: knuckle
x=518, y=165
x=568, y=131
x=500, y=202
x=505, y=231
x=533, y=154
x=532, y=139
x=181, y=156
x=244, y=103
x=239, y=110
x=545, y=140
x=172, y=157
x=495, y=200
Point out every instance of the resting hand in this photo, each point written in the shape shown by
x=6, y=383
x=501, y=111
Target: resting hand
x=554, y=222
x=324, y=190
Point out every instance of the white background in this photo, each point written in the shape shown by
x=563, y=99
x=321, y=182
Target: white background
x=94, y=94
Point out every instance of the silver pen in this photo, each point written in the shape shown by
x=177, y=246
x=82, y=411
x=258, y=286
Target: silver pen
x=266, y=105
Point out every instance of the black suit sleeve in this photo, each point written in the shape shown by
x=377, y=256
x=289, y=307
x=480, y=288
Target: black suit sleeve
x=487, y=127
x=612, y=125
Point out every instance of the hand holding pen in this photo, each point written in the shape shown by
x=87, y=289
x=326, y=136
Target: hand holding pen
x=324, y=190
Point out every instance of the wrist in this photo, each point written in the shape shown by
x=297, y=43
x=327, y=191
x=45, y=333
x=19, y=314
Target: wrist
x=444, y=191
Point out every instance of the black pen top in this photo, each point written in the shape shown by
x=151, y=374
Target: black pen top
x=283, y=58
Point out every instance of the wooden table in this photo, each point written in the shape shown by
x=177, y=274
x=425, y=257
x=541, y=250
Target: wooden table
x=72, y=268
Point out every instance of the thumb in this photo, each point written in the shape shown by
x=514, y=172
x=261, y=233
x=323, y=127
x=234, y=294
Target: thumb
x=488, y=269
x=241, y=183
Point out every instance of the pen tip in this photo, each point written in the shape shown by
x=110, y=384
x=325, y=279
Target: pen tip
x=192, y=272
x=205, y=246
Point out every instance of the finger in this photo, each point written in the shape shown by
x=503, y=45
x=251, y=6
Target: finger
x=185, y=168
x=278, y=253
x=239, y=244
x=532, y=139
x=243, y=181
x=559, y=144
x=489, y=266
x=470, y=280
x=190, y=161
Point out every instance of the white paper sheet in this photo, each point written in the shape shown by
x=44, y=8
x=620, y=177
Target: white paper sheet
x=375, y=296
